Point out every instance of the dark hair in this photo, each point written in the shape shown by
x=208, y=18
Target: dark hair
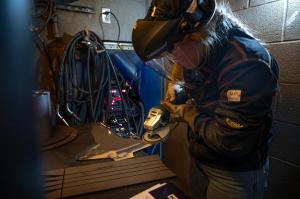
x=217, y=30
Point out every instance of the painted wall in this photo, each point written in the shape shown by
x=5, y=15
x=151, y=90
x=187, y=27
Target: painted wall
x=127, y=12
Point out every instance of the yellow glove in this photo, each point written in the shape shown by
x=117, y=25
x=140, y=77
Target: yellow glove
x=185, y=112
x=177, y=72
x=177, y=76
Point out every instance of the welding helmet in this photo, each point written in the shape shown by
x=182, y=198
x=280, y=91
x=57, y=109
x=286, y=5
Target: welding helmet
x=168, y=22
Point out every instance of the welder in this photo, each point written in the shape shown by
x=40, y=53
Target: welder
x=231, y=81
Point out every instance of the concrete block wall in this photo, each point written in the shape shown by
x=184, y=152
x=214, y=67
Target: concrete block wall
x=278, y=24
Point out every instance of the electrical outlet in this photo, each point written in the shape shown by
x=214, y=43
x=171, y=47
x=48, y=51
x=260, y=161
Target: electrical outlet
x=106, y=18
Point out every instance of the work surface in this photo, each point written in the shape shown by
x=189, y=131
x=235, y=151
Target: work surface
x=64, y=156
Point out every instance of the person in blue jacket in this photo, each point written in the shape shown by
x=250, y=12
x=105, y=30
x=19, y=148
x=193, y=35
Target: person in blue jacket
x=231, y=81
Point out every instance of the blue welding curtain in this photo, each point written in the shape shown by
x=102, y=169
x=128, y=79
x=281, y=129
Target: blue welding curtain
x=145, y=82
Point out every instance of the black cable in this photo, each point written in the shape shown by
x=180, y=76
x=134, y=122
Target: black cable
x=43, y=49
x=101, y=26
x=141, y=126
x=88, y=95
x=37, y=5
x=89, y=84
x=174, y=127
x=124, y=105
x=118, y=24
x=137, y=126
x=45, y=15
x=47, y=7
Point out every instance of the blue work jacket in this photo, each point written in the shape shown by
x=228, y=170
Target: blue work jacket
x=234, y=92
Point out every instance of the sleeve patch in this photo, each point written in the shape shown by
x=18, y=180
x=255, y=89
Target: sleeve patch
x=234, y=95
x=234, y=124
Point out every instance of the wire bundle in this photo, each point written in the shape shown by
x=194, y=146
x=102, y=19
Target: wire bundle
x=87, y=76
x=42, y=13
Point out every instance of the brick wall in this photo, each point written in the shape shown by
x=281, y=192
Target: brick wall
x=278, y=24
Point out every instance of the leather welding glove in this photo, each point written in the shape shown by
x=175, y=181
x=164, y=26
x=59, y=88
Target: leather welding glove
x=183, y=112
x=177, y=74
x=170, y=93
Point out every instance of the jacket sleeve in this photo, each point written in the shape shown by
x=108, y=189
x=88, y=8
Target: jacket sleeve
x=245, y=97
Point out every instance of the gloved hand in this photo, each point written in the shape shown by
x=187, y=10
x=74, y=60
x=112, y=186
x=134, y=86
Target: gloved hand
x=171, y=93
x=176, y=94
x=182, y=112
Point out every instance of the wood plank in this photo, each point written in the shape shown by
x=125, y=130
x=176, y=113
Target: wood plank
x=57, y=172
x=50, y=178
x=115, y=176
x=102, y=176
x=85, y=168
x=53, y=183
x=52, y=188
x=113, y=173
x=115, y=183
x=53, y=194
x=113, y=169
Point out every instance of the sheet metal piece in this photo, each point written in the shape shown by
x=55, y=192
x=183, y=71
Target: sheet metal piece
x=109, y=145
x=97, y=152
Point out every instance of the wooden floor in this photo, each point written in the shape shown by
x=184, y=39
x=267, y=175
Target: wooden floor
x=64, y=156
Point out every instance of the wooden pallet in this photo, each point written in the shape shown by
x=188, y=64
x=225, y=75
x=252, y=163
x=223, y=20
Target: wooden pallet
x=102, y=176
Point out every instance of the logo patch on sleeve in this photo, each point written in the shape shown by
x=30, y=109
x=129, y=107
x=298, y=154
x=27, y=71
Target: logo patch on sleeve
x=234, y=124
x=234, y=95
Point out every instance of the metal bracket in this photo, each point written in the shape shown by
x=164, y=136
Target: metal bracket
x=117, y=46
x=75, y=8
